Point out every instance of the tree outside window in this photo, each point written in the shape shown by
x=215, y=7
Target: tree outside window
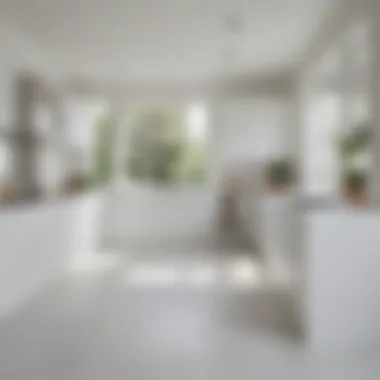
x=168, y=145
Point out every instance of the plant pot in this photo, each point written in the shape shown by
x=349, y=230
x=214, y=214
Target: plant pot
x=9, y=192
x=356, y=196
x=279, y=176
x=355, y=188
x=277, y=188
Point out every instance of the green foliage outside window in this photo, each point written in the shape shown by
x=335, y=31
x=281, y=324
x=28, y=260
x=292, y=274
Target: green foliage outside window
x=160, y=150
x=102, y=149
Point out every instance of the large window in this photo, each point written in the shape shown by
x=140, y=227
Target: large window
x=167, y=144
x=89, y=140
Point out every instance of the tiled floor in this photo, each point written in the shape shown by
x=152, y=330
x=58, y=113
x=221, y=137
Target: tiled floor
x=165, y=319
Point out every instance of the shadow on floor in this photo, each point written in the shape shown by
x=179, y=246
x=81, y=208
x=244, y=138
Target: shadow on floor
x=269, y=310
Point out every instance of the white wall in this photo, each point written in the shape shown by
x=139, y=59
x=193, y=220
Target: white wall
x=40, y=243
x=253, y=129
x=342, y=283
x=243, y=130
x=33, y=246
x=149, y=216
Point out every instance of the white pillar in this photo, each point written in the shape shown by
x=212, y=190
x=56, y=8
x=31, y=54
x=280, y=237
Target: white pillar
x=215, y=160
x=373, y=14
x=347, y=84
x=119, y=142
x=25, y=144
x=295, y=130
x=59, y=138
x=299, y=154
x=214, y=144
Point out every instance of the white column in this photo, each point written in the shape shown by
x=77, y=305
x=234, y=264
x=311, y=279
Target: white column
x=25, y=144
x=119, y=141
x=301, y=102
x=214, y=154
x=347, y=84
x=295, y=125
x=214, y=144
x=373, y=14
x=59, y=138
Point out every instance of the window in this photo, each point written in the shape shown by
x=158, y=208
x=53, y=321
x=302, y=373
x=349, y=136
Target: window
x=89, y=138
x=102, y=148
x=168, y=144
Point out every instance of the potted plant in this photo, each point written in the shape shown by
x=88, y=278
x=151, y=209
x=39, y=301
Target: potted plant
x=77, y=183
x=9, y=192
x=354, y=148
x=279, y=175
x=355, y=187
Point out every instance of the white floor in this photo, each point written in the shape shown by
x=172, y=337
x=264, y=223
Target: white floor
x=165, y=319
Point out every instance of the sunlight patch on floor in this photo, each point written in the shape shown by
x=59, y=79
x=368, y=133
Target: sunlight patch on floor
x=238, y=273
x=92, y=262
x=244, y=273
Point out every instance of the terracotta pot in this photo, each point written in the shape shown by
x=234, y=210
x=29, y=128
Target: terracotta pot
x=356, y=196
x=9, y=192
x=277, y=188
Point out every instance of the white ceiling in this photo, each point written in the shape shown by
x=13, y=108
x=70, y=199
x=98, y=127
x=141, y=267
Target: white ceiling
x=167, y=39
